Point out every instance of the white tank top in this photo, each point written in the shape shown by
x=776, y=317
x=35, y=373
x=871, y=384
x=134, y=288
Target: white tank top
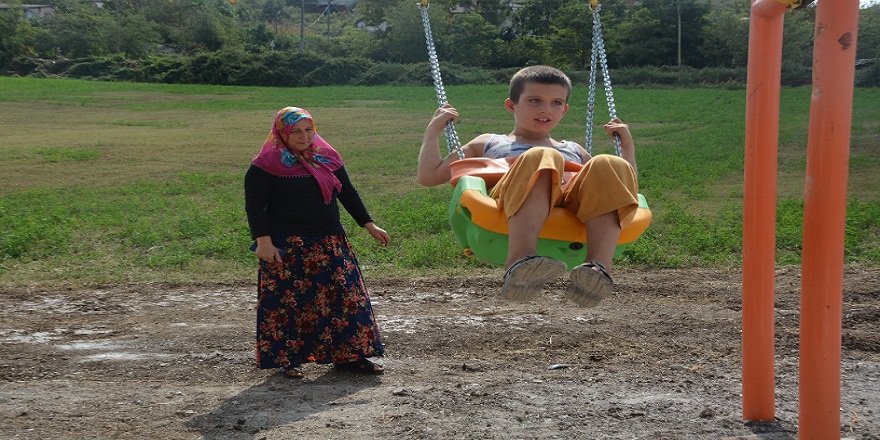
x=500, y=147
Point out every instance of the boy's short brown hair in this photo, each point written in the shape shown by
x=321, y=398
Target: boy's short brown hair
x=540, y=75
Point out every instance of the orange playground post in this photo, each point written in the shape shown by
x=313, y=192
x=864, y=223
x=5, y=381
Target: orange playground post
x=759, y=207
x=824, y=213
x=834, y=51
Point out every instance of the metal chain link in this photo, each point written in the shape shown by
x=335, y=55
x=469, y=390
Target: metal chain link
x=599, y=52
x=591, y=98
x=452, y=141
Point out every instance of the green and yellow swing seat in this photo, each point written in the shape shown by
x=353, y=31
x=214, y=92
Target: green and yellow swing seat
x=480, y=226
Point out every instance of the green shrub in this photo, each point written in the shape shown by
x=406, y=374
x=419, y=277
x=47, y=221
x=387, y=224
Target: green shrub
x=720, y=75
x=221, y=68
x=454, y=74
x=642, y=76
x=285, y=69
x=385, y=73
x=292, y=68
x=22, y=65
x=338, y=71
x=796, y=75
x=94, y=67
x=869, y=76
x=152, y=69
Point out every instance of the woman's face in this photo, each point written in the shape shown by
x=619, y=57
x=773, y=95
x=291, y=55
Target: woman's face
x=301, y=135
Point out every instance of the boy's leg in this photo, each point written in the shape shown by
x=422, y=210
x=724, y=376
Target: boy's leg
x=590, y=282
x=604, y=195
x=526, y=193
x=603, y=232
x=525, y=225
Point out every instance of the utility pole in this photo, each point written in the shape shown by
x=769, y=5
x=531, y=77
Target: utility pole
x=302, y=26
x=679, y=34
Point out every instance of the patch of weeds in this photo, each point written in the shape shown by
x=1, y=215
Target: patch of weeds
x=862, y=241
x=34, y=225
x=53, y=155
x=149, y=124
x=679, y=238
x=789, y=231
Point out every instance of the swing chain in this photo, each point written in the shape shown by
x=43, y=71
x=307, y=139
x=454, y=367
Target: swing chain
x=452, y=141
x=598, y=54
x=591, y=98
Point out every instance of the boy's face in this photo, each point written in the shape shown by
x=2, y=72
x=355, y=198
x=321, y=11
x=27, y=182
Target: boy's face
x=540, y=106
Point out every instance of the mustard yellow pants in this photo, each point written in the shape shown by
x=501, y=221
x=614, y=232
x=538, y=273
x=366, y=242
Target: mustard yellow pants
x=606, y=183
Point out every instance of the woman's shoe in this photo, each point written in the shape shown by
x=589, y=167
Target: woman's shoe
x=293, y=371
x=361, y=366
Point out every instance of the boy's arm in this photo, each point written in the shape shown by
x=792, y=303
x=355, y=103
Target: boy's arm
x=585, y=155
x=433, y=168
x=627, y=144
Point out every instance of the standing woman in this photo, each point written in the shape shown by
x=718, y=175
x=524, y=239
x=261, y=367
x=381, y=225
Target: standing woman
x=312, y=302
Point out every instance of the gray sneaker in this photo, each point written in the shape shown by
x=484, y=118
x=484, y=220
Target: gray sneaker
x=589, y=284
x=526, y=278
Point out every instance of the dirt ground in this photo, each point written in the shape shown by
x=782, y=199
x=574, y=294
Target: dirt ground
x=658, y=360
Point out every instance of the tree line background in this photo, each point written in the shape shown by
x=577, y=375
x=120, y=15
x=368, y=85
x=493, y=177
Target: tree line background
x=274, y=43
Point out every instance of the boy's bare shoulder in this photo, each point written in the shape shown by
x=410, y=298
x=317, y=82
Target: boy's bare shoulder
x=482, y=139
x=478, y=144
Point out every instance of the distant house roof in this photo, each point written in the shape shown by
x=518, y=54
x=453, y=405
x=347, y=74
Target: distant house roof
x=334, y=5
x=30, y=11
x=348, y=3
x=865, y=62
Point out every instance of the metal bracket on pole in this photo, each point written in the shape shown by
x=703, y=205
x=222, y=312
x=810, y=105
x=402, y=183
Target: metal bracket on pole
x=796, y=4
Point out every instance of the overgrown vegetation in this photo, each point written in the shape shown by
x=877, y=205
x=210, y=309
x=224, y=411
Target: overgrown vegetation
x=381, y=42
x=145, y=184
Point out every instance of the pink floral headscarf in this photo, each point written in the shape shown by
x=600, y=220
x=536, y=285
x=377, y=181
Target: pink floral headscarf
x=320, y=160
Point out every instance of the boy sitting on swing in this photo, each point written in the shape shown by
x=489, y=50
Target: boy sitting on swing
x=603, y=194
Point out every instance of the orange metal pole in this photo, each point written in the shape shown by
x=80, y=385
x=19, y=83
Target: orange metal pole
x=825, y=218
x=759, y=207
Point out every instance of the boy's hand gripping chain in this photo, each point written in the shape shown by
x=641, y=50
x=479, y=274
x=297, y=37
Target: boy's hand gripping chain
x=452, y=141
x=599, y=52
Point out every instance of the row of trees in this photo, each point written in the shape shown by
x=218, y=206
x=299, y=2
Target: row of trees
x=489, y=34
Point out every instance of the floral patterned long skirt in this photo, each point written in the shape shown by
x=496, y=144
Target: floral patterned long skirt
x=314, y=307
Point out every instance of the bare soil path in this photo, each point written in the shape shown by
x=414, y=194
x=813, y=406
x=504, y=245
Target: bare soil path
x=658, y=360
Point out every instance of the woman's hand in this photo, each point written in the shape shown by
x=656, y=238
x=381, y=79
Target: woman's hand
x=378, y=233
x=267, y=251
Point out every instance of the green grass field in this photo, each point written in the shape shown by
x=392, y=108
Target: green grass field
x=123, y=183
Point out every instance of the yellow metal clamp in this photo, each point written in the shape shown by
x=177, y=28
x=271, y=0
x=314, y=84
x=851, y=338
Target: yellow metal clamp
x=424, y=3
x=795, y=4
x=594, y=4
